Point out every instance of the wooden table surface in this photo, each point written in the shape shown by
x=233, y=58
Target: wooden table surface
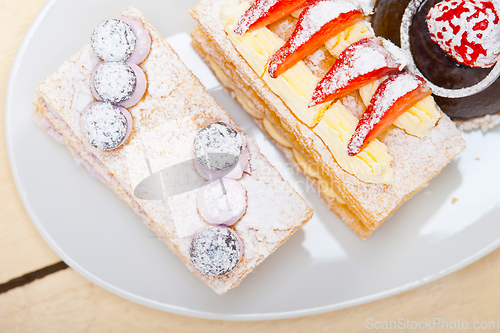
x=64, y=301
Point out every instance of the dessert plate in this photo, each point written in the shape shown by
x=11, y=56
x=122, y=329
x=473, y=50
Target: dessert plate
x=323, y=267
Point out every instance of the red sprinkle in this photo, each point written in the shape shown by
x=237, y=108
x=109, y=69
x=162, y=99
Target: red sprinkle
x=466, y=30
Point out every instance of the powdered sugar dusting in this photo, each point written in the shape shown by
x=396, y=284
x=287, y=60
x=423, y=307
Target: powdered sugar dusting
x=215, y=251
x=353, y=103
x=467, y=30
x=314, y=17
x=104, y=126
x=316, y=61
x=275, y=209
x=217, y=207
x=311, y=21
x=256, y=11
x=113, y=40
x=396, y=53
x=413, y=163
x=386, y=95
x=394, y=88
x=358, y=59
x=436, y=90
x=218, y=146
x=115, y=82
x=363, y=61
x=484, y=123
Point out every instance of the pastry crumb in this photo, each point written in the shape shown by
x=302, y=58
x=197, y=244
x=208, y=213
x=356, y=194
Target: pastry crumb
x=454, y=201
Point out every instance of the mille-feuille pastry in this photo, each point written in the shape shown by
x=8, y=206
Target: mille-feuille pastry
x=131, y=112
x=454, y=44
x=333, y=96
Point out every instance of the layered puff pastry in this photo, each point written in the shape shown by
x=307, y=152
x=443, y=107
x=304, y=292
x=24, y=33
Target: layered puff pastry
x=363, y=190
x=174, y=108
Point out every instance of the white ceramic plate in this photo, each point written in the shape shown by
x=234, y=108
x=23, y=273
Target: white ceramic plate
x=322, y=267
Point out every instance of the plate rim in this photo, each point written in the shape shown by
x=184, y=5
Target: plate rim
x=169, y=307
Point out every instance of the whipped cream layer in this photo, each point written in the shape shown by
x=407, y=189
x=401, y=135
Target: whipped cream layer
x=414, y=160
x=296, y=86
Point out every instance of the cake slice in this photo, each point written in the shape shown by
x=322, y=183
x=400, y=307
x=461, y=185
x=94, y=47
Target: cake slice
x=363, y=190
x=163, y=126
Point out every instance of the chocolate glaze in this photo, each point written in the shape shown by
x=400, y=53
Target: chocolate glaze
x=440, y=69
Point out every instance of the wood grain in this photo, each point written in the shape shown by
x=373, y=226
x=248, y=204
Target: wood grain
x=66, y=302
x=22, y=250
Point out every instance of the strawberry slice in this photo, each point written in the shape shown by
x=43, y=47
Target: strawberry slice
x=360, y=63
x=393, y=97
x=265, y=12
x=318, y=22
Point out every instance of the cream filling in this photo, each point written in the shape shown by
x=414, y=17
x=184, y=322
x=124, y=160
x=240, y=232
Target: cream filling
x=357, y=32
x=271, y=130
x=418, y=120
x=371, y=165
x=312, y=172
x=94, y=166
x=368, y=90
x=244, y=101
x=295, y=87
x=324, y=187
x=339, y=43
x=249, y=107
x=308, y=169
